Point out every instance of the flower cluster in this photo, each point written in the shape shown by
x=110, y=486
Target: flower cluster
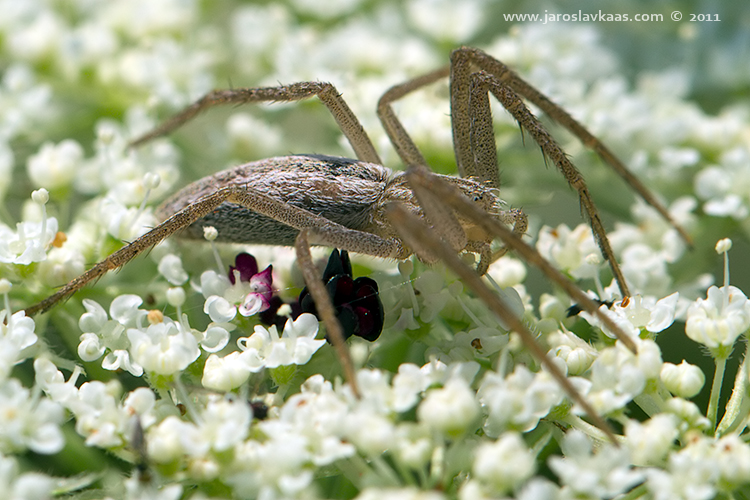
x=218, y=383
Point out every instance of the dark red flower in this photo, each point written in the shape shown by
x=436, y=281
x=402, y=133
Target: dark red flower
x=356, y=301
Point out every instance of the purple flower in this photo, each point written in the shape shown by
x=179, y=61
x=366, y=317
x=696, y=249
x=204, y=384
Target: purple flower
x=357, y=302
x=259, y=298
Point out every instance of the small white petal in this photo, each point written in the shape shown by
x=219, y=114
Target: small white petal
x=219, y=309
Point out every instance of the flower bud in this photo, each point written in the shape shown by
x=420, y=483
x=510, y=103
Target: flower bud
x=683, y=380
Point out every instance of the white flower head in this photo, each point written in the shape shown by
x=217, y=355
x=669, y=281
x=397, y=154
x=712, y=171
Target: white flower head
x=604, y=474
x=29, y=242
x=54, y=166
x=101, y=333
x=225, y=422
x=226, y=373
x=452, y=409
x=26, y=485
x=295, y=346
x=170, y=266
x=576, y=352
x=650, y=441
x=618, y=375
x=504, y=464
x=518, y=400
x=52, y=382
x=637, y=314
x=16, y=336
x=569, y=249
x=718, y=320
x=173, y=438
x=28, y=422
x=163, y=348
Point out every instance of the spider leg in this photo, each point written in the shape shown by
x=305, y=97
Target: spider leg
x=481, y=83
x=321, y=230
x=418, y=236
x=325, y=307
x=325, y=232
x=399, y=137
x=327, y=93
x=464, y=58
x=432, y=184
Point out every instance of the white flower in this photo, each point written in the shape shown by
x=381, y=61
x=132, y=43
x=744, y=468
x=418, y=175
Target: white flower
x=30, y=241
x=413, y=444
x=691, y=473
x=90, y=349
x=577, y=353
x=163, y=348
x=568, y=249
x=141, y=402
x=16, y=334
x=517, y=401
x=28, y=422
x=225, y=422
x=54, y=166
x=645, y=269
x=637, y=314
x=370, y=432
x=319, y=415
x=650, y=441
x=718, y=320
x=51, y=381
x=723, y=187
x=604, y=474
x=122, y=222
x=689, y=414
x=466, y=346
x=102, y=334
x=170, y=266
x=452, y=409
x=97, y=416
x=226, y=373
x=618, y=375
x=504, y=464
x=648, y=313
x=404, y=493
x=23, y=486
x=732, y=459
x=172, y=438
x=295, y=346
x=683, y=380
x=451, y=22
x=219, y=309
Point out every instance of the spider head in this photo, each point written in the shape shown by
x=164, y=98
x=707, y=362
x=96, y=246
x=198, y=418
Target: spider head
x=484, y=196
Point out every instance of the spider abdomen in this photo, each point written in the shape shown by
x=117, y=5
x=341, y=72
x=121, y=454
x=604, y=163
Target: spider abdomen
x=342, y=190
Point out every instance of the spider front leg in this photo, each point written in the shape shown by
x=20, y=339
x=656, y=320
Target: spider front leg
x=327, y=93
x=463, y=62
x=481, y=84
x=418, y=236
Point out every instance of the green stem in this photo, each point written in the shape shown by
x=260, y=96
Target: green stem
x=713, y=402
x=639, y=491
x=591, y=430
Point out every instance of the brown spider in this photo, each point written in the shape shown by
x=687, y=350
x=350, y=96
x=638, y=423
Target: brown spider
x=361, y=206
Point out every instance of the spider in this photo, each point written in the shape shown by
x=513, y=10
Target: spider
x=362, y=206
